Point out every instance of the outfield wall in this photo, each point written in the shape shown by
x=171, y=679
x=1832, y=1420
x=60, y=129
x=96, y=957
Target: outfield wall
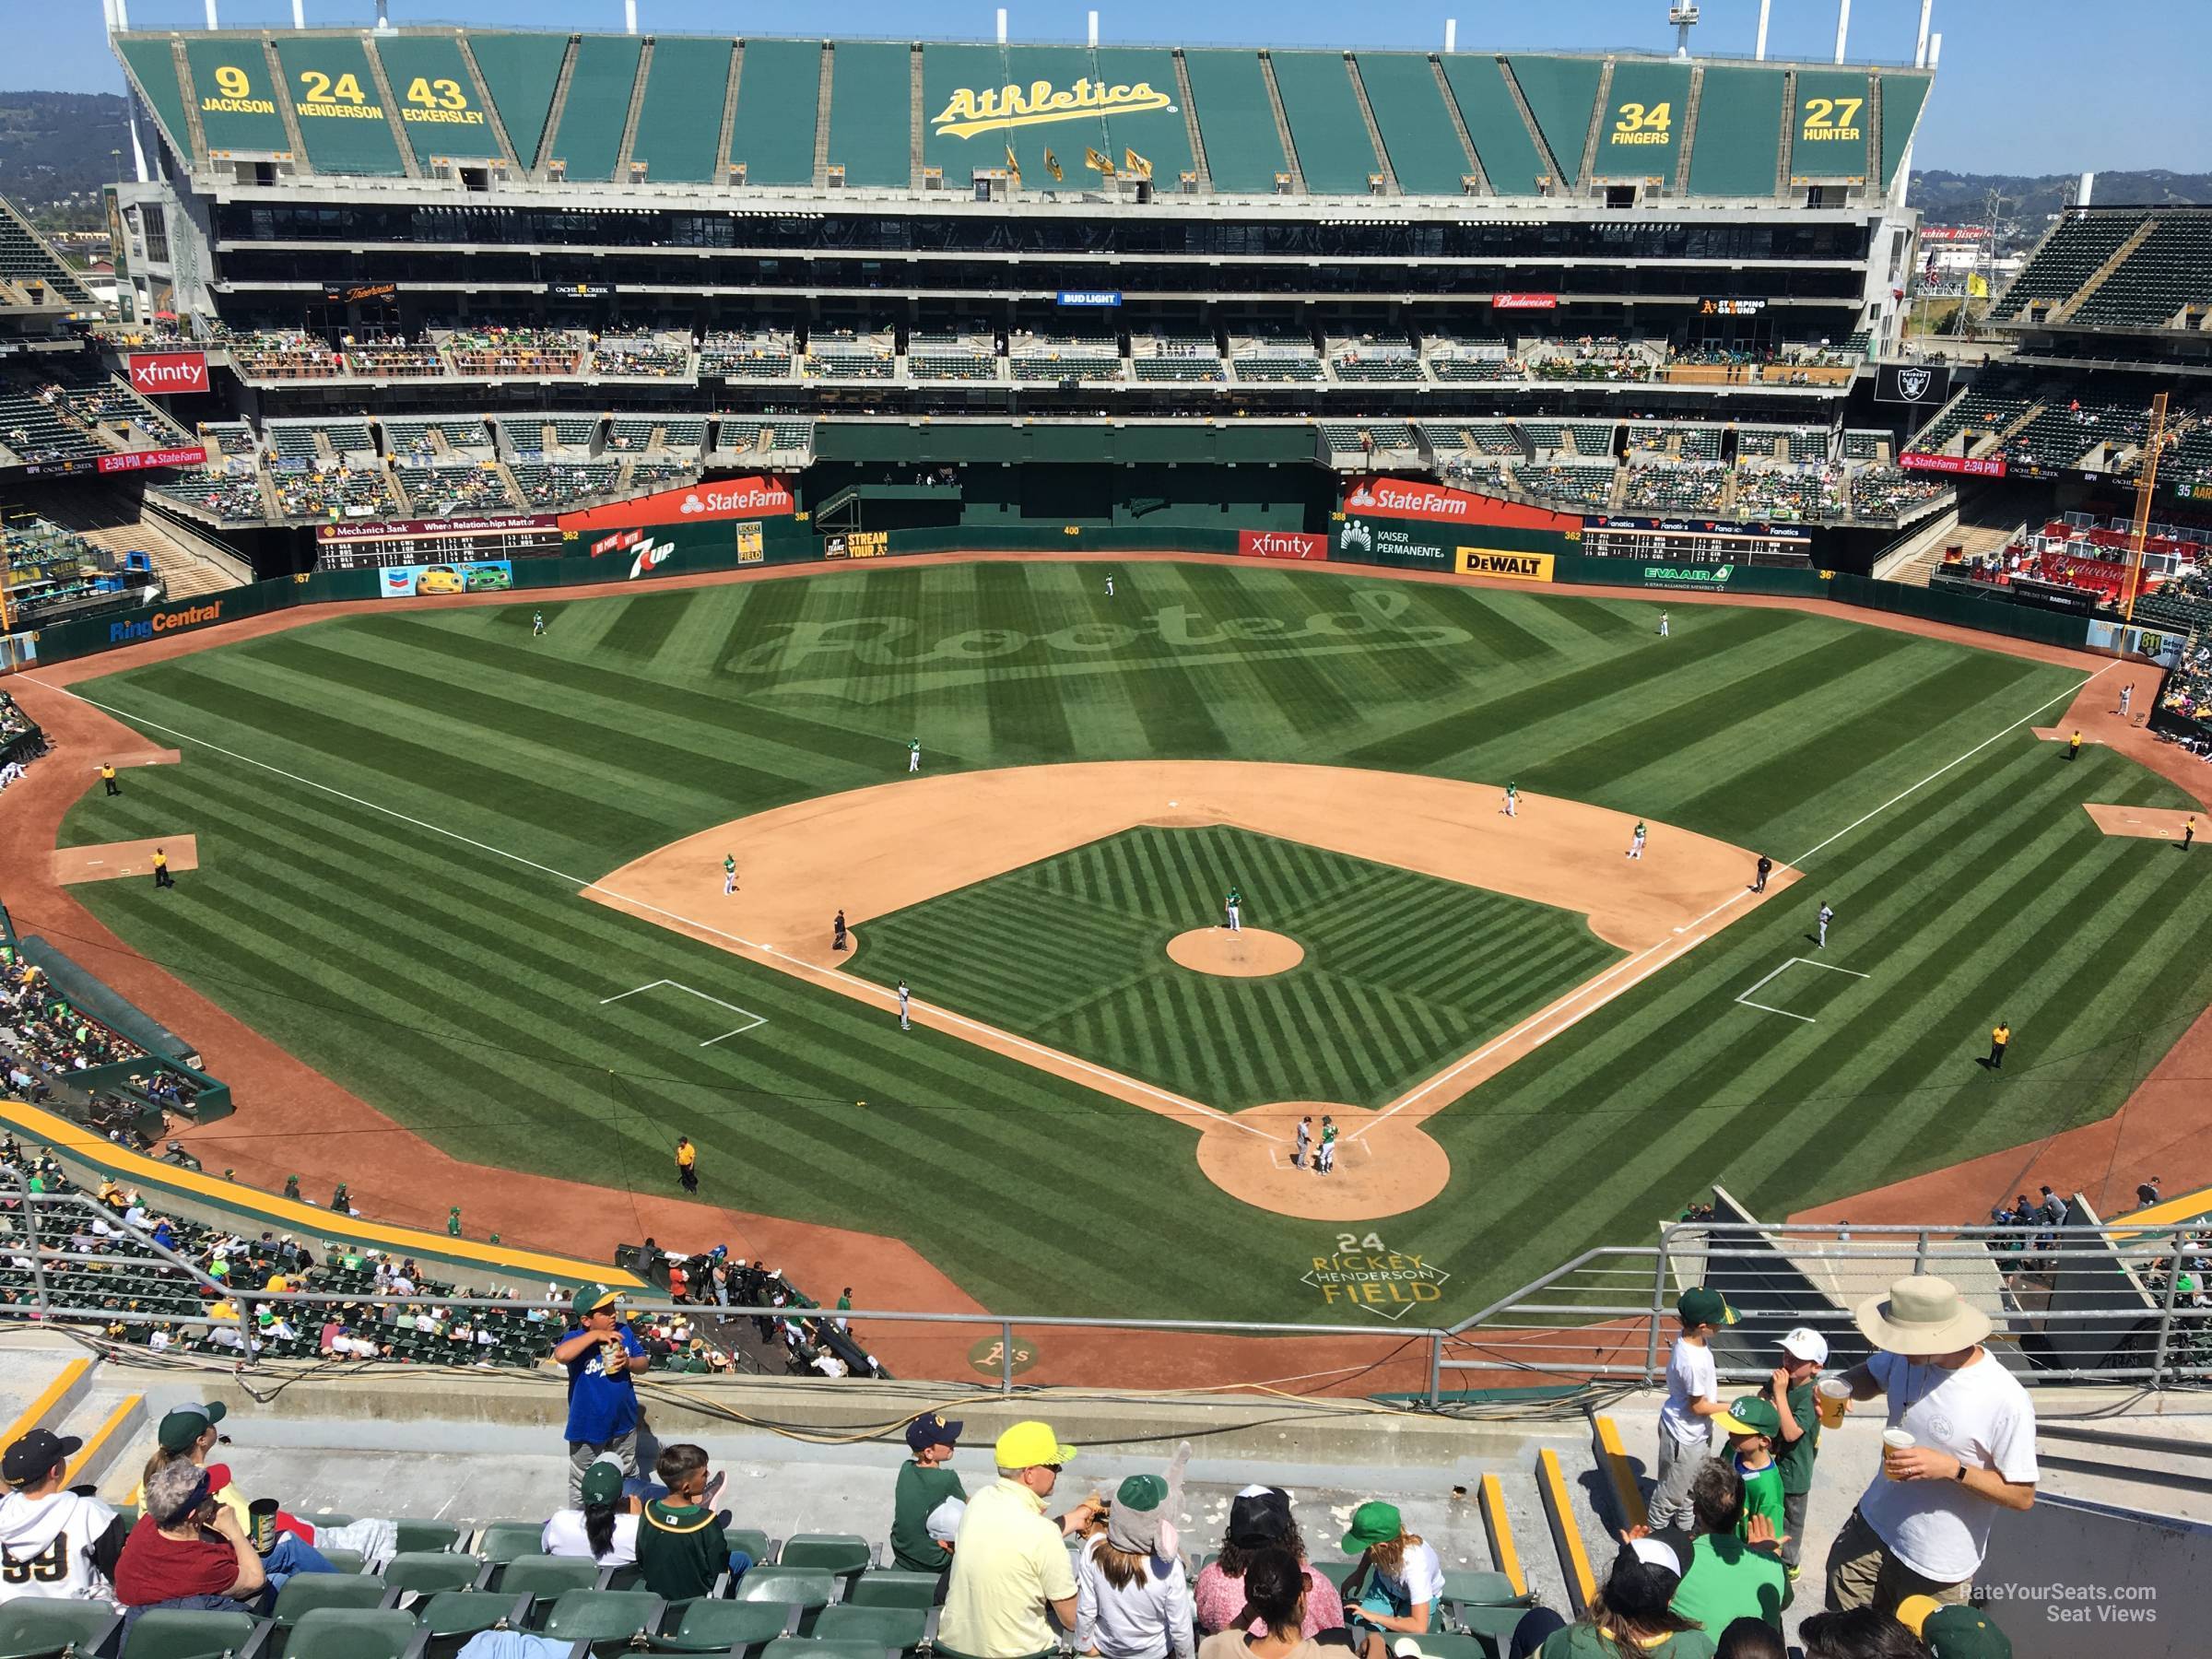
x=1513, y=552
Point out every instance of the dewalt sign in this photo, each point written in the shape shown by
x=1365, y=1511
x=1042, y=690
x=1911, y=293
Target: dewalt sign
x=1496, y=561
x=997, y=109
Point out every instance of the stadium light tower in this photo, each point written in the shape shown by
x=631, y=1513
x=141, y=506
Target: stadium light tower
x=1843, y=27
x=1683, y=15
x=1920, y=49
x=1766, y=9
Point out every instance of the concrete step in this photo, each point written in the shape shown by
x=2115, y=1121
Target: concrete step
x=111, y=1422
x=50, y=1387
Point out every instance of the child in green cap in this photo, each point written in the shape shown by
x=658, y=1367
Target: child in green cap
x=1402, y=1575
x=1693, y=1398
x=1751, y=1426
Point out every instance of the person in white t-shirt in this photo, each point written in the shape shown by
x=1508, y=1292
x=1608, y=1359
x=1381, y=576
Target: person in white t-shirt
x=606, y=1528
x=54, y=1545
x=1399, y=1583
x=1921, y=1526
x=1693, y=1399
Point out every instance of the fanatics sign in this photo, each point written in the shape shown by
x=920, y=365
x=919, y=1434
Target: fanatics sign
x=165, y=373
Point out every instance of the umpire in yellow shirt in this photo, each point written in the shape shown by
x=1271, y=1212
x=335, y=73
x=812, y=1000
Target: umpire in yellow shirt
x=1998, y=1040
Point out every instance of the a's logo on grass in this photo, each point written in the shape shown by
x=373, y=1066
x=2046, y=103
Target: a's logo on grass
x=1366, y=1274
x=990, y=1356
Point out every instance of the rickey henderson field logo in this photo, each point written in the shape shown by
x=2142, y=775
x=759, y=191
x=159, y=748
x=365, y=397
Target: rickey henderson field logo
x=969, y=111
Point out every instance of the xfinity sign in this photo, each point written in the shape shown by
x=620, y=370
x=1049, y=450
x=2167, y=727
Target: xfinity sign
x=167, y=373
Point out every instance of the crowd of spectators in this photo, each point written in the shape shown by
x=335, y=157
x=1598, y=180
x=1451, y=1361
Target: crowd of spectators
x=500, y=351
x=1882, y=492
x=1593, y=358
x=1678, y=488
x=640, y=352
x=340, y=492
x=231, y=492
x=1785, y=494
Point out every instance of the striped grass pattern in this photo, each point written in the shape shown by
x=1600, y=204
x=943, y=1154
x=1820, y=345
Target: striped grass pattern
x=1403, y=972
x=461, y=991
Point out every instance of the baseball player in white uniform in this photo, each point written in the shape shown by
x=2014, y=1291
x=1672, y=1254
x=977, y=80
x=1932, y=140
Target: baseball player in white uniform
x=1234, y=907
x=1825, y=916
x=1636, y=841
x=537, y=623
x=904, y=995
x=1305, y=1140
x=914, y=755
x=1663, y=625
x=2127, y=696
x=1109, y=585
x=1512, y=800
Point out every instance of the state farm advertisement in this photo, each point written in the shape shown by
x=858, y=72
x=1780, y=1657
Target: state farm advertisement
x=139, y=460
x=166, y=374
x=1524, y=302
x=1417, y=498
x=762, y=497
x=1281, y=544
x=1975, y=466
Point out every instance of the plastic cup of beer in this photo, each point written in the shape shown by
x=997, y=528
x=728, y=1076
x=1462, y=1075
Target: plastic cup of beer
x=1895, y=1439
x=1833, y=1396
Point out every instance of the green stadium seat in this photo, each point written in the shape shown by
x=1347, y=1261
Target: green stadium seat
x=807, y=1647
x=892, y=1587
x=464, y=1612
x=602, y=1614
x=711, y=1626
x=1447, y=1644
x=753, y=1541
x=842, y=1553
x=354, y=1634
x=803, y=1588
x=427, y=1572
x=882, y=1627
x=190, y=1633
x=343, y=1561
x=306, y=1591
x=29, y=1627
x=416, y=1535
x=542, y=1577
x=503, y=1541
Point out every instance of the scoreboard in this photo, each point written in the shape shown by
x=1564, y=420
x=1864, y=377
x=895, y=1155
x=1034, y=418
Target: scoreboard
x=1697, y=541
x=368, y=547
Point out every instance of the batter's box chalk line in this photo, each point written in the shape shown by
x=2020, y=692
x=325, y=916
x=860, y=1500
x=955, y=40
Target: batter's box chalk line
x=1744, y=996
x=753, y=1020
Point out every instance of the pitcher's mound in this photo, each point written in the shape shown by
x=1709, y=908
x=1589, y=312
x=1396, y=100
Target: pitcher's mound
x=1250, y=953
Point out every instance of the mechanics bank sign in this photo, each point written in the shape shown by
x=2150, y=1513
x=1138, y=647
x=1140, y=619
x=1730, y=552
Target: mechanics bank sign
x=997, y=109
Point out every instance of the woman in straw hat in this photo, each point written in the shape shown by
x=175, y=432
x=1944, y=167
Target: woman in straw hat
x=1962, y=1447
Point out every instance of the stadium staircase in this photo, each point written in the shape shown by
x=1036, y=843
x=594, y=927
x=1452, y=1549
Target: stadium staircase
x=293, y=136
x=1535, y=128
x=823, y=86
x=555, y=111
x=1599, y=108
x=1459, y=126
x=2065, y=310
x=1282, y=123
x=1783, y=156
x=408, y=158
x=86, y=1398
x=1374, y=133
x=722, y=140
x=636, y=106
x=914, y=107
x=489, y=104
x=191, y=109
x=1189, y=120
x=184, y=574
x=1680, y=184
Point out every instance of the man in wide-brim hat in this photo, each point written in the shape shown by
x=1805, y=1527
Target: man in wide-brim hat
x=1921, y=1526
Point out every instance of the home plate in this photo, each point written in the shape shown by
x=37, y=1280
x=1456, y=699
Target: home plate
x=111, y=860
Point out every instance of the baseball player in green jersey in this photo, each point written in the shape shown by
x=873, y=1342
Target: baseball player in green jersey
x=1636, y=841
x=729, y=873
x=1324, y=1155
x=1234, y=906
x=1512, y=800
x=914, y=755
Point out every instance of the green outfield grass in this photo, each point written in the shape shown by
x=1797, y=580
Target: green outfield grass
x=1402, y=972
x=458, y=984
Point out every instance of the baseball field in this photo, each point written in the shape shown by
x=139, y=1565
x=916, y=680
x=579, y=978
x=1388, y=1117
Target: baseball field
x=475, y=876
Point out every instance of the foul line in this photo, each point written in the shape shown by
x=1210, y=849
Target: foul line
x=1676, y=947
x=849, y=983
x=1745, y=995
x=758, y=1019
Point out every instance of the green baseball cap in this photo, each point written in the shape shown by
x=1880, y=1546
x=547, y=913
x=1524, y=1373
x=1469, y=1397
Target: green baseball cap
x=1951, y=1632
x=1750, y=1415
x=602, y=1482
x=589, y=1299
x=1699, y=1306
x=184, y=1426
x=1373, y=1523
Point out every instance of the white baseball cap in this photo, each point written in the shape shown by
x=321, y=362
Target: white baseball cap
x=1805, y=1343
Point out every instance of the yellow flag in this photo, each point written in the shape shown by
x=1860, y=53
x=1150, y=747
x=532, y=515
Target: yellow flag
x=1098, y=163
x=1051, y=164
x=1977, y=284
x=1013, y=166
x=1134, y=163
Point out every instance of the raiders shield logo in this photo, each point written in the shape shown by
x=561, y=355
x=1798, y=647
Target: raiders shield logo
x=1912, y=383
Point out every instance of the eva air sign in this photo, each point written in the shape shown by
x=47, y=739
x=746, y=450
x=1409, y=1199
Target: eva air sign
x=1705, y=576
x=999, y=109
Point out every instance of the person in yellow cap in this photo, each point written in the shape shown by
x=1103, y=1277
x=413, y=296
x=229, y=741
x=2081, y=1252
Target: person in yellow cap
x=1953, y=1633
x=1010, y=1564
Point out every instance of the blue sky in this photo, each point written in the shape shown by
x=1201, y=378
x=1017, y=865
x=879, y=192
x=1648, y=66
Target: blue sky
x=2025, y=85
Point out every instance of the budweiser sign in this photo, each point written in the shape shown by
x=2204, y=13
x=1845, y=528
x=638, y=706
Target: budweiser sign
x=165, y=373
x=139, y=460
x=1281, y=544
x=1524, y=302
x=1975, y=466
x=763, y=497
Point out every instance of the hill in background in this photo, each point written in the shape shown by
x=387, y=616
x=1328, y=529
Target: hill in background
x=1953, y=198
x=57, y=150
